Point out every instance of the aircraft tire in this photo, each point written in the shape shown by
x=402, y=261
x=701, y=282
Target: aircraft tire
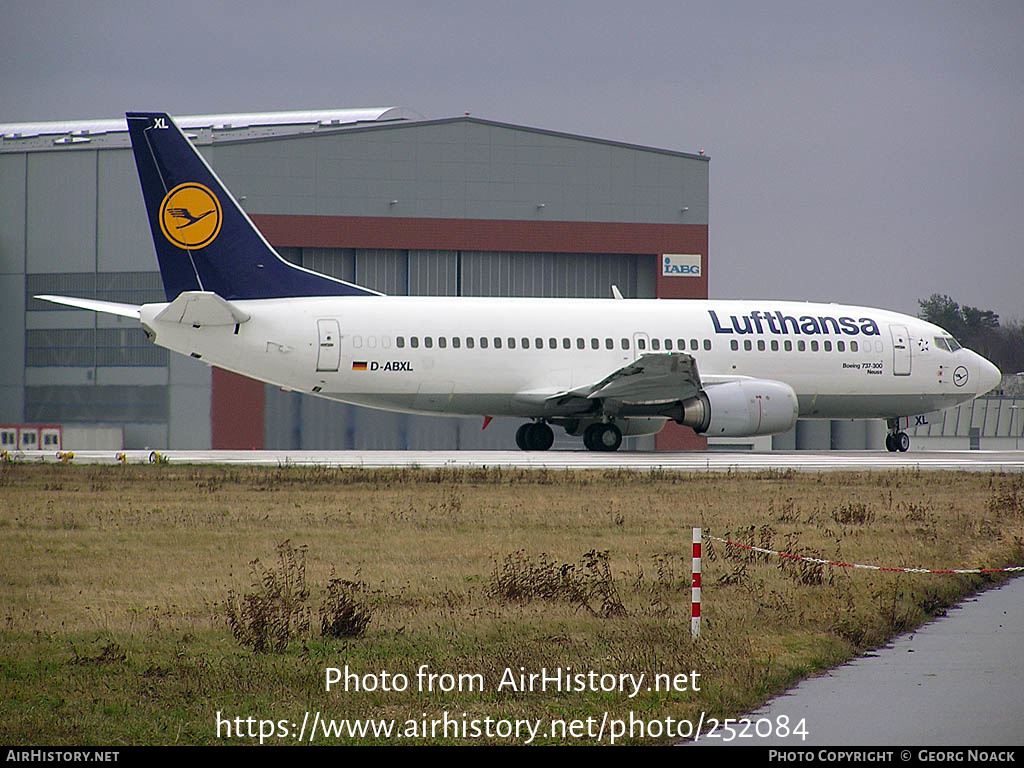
x=539, y=436
x=521, y=436
x=890, y=443
x=609, y=438
x=902, y=441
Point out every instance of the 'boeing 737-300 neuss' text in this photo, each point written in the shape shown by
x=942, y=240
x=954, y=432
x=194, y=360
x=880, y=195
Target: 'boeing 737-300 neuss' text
x=598, y=368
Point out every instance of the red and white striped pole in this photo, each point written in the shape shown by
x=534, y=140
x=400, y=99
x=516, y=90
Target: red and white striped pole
x=695, y=586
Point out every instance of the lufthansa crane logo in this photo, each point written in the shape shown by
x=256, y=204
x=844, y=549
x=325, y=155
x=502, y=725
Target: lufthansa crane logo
x=190, y=216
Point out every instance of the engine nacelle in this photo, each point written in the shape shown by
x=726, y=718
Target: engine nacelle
x=742, y=408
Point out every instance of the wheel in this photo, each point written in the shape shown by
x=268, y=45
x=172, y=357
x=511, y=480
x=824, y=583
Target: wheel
x=539, y=437
x=890, y=442
x=902, y=442
x=590, y=437
x=534, y=436
x=521, y=436
x=609, y=438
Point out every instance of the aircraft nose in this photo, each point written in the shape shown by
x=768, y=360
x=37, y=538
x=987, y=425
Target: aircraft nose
x=988, y=376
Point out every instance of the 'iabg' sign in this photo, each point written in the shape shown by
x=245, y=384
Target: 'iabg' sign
x=680, y=265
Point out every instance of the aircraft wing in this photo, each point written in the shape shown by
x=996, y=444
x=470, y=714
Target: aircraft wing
x=109, y=307
x=652, y=378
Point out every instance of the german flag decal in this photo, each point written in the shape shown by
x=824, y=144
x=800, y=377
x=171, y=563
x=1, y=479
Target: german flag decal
x=359, y=366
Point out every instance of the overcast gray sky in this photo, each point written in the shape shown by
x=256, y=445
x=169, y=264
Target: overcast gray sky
x=862, y=152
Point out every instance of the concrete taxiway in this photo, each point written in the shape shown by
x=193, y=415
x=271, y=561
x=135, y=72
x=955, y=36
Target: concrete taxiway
x=702, y=461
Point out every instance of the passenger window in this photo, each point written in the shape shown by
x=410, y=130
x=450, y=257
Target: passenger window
x=566, y=342
x=707, y=345
x=497, y=342
x=625, y=343
x=428, y=342
x=668, y=344
x=580, y=344
x=788, y=345
x=641, y=344
x=553, y=343
x=400, y=342
x=814, y=346
x=469, y=342
x=442, y=342
x=854, y=346
x=747, y=345
x=828, y=346
x=656, y=345
x=595, y=344
x=841, y=346
x=693, y=344
x=801, y=346
x=734, y=345
x=760, y=345
x=525, y=342
x=609, y=344
x=483, y=342
x=456, y=341
x=414, y=342
x=775, y=346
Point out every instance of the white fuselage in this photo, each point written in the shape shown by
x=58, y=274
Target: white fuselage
x=493, y=357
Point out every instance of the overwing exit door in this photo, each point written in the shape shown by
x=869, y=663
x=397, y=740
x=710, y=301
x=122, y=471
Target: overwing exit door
x=328, y=356
x=641, y=345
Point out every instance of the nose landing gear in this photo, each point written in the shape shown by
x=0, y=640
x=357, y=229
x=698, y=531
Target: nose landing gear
x=896, y=440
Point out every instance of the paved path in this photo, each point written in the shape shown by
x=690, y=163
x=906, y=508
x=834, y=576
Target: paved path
x=958, y=680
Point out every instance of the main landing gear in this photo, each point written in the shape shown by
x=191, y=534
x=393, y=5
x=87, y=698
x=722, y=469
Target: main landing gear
x=896, y=440
x=534, y=436
x=602, y=437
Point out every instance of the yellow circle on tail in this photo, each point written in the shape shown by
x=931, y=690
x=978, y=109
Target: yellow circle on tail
x=190, y=216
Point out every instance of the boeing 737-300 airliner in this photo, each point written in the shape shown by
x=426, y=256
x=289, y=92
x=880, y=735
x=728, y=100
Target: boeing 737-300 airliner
x=598, y=368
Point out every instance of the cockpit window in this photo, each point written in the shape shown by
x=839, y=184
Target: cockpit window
x=941, y=343
x=953, y=345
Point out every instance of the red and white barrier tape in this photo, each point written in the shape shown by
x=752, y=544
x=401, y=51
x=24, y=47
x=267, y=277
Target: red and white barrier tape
x=837, y=564
x=695, y=585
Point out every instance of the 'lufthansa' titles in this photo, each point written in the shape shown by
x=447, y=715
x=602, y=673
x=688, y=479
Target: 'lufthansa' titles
x=779, y=323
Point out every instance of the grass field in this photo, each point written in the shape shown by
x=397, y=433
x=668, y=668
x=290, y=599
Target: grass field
x=118, y=584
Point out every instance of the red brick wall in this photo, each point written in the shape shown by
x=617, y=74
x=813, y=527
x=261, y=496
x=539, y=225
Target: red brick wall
x=486, y=235
x=236, y=411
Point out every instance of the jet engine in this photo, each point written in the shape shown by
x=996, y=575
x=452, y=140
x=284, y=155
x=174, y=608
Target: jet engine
x=741, y=408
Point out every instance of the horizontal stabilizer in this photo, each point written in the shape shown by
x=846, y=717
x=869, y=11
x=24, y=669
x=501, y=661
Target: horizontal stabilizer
x=201, y=308
x=110, y=307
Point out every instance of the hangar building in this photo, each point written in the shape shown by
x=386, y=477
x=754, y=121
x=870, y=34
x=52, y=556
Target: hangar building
x=380, y=197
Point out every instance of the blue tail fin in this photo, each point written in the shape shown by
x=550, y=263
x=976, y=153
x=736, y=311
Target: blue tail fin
x=204, y=240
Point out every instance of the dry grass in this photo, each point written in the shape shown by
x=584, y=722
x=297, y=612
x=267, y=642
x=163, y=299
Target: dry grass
x=122, y=574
